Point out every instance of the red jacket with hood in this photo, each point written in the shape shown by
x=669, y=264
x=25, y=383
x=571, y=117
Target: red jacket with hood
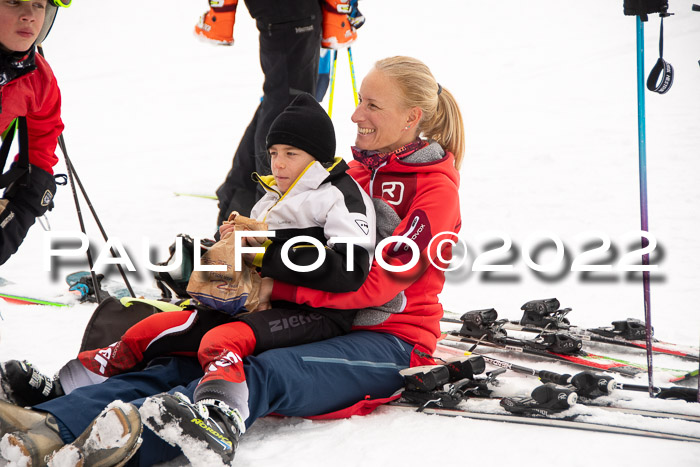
x=416, y=196
x=35, y=95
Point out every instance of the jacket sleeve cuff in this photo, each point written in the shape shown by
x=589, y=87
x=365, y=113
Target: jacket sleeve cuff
x=258, y=260
x=284, y=291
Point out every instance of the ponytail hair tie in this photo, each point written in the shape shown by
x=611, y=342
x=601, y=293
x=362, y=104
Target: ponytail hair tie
x=439, y=89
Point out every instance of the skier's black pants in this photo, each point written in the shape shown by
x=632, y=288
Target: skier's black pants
x=277, y=327
x=285, y=327
x=289, y=55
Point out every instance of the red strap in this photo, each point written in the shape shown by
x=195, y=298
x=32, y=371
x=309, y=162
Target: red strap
x=363, y=407
x=225, y=8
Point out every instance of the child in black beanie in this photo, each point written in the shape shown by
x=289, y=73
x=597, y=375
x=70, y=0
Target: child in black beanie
x=309, y=194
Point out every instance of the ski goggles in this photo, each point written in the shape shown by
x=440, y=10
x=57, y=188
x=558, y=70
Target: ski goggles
x=61, y=3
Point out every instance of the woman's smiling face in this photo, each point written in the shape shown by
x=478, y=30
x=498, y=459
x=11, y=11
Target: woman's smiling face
x=381, y=117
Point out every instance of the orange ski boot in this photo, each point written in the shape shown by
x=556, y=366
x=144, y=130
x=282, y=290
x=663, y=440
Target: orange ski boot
x=338, y=32
x=216, y=25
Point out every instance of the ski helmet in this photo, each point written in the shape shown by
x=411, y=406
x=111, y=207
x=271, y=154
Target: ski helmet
x=49, y=17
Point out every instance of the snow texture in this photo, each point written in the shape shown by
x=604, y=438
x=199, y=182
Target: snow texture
x=108, y=431
x=67, y=456
x=12, y=453
x=549, y=99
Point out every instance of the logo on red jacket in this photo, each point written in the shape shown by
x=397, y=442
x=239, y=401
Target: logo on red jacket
x=397, y=190
x=418, y=230
x=392, y=192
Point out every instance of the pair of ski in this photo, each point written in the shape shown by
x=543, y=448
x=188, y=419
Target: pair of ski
x=468, y=396
x=79, y=283
x=539, y=315
x=673, y=392
x=551, y=351
x=24, y=300
x=17, y=299
x=563, y=342
x=577, y=423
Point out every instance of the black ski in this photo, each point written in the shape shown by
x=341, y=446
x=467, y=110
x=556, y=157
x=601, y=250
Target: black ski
x=454, y=389
x=481, y=327
x=576, y=423
x=589, y=385
x=546, y=315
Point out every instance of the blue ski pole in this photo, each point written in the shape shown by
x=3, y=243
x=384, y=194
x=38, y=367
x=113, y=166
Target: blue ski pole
x=641, y=111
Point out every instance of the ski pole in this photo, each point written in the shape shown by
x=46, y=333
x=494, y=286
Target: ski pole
x=98, y=295
x=332, y=93
x=71, y=174
x=697, y=8
x=352, y=76
x=641, y=111
x=697, y=396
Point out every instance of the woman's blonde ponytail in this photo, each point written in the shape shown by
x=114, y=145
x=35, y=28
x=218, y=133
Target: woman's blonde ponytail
x=442, y=119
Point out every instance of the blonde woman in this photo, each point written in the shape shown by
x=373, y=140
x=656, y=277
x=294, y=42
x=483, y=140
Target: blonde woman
x=408, y=150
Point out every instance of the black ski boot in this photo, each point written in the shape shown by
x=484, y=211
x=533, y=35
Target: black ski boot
x=24, y=385
x=544, y=400
x=207, y=432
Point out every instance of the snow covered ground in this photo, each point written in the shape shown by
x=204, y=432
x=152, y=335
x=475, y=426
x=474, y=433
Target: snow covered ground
x=548, y=93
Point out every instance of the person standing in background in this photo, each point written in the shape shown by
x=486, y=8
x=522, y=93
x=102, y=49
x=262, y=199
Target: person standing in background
x=291, y=36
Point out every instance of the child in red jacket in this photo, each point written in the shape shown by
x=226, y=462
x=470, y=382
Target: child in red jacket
x=30, y=103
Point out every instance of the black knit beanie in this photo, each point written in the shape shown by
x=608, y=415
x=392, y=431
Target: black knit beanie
x=305, y=125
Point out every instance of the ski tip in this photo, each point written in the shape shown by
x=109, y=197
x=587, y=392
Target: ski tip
x=686, y=377
x=195, y=195
x=21, y=300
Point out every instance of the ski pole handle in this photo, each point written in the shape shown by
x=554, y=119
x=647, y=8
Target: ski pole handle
x=552, y=377
x=678, y=392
